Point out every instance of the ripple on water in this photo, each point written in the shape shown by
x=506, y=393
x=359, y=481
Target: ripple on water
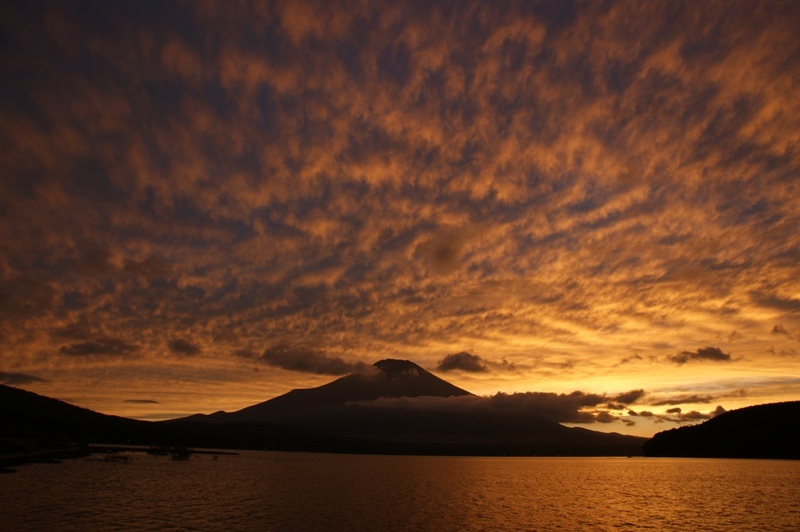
x=286, y=491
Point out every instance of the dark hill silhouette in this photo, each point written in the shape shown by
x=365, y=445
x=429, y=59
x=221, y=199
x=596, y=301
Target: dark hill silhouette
x=354, y=406
x=26, y=414
x=396, y=408
x=386, y=378
x=31, y=420
x=763, y=431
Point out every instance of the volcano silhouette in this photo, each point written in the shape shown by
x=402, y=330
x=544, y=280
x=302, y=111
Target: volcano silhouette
x=388, y=378
x=400, y=407
x=393, y=407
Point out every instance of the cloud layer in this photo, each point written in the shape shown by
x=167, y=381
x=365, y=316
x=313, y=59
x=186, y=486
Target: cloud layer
x=19, y=379
x=576, y=407
x=551, y=188
x=463, y=361
x=713, y=354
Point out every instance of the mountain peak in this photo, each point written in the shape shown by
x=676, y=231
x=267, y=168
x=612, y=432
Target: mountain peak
x=392, y=378
x=393, y=367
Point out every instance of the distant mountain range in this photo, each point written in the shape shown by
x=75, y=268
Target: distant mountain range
x=390, y=406
x=32, y=422
x=383, y=409
x=386, y=378
x=763, y=431
x=378, y=410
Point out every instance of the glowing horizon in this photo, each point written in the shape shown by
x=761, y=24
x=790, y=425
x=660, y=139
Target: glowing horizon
x=204, y=206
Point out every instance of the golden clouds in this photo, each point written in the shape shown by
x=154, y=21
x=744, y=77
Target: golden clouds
x=562, y=187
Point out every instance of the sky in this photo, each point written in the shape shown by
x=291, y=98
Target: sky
x=204, y=205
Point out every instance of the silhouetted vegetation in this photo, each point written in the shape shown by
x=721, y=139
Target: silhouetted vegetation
x=764, y=431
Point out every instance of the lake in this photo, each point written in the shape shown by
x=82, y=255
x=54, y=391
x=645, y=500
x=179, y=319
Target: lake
x=296, y=491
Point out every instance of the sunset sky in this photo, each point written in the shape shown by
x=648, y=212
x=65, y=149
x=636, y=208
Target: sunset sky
x=204, y=205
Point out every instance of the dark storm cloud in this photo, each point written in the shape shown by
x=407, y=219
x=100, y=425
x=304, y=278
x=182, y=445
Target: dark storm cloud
x=605, y=417
x=676, y=415
x=306, y=360
x=575, y=407
x=182, y=346
x=17, y=379
x=683, y=399
x=463, y=361
x=99, y=346
x=785, y=304
x=630, y=397
x=689, y=417
x=713, y=354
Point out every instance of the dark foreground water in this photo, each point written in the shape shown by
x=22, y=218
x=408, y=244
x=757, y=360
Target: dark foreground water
x=285, y=491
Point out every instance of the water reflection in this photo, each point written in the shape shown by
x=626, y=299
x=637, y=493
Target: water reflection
x=285, y=491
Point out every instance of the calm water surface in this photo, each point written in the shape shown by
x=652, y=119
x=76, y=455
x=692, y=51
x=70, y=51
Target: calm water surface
x=286, y=491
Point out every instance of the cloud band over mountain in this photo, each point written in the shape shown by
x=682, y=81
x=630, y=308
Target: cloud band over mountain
x=526, y=194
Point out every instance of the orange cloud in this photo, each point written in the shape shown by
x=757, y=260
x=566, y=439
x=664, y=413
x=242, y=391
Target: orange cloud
x=561, y=187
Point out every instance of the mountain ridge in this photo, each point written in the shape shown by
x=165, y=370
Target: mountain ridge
x=399, y=403
x=760, y=431
x=386, y=409
x=389, y=378
x=354, y=421
x=29, y=421
x=32, y=421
